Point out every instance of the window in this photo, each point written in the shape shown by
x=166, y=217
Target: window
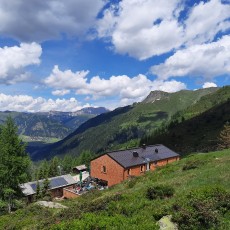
x=129, y=172
x=142, y=168
x=103, y=169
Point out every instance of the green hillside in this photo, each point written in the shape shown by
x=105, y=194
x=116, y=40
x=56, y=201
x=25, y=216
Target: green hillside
x=194, y=190
x=199, y=133
x=124, y=126
x=206, y=102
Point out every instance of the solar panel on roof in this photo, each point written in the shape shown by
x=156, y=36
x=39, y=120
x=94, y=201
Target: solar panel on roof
x=55, y=182
x=34, y=186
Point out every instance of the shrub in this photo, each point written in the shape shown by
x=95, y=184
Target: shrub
x=132, y=182
x=159, y=192
x=192, y=164
x=201, y=208
x=3, y=207
x=160, y=211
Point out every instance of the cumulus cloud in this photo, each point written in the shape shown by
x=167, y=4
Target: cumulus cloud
x=66, y=79
x=142, y=28
x=125, y=88
x=201, y=27
x=60, y=92
x=209, y=84
x=29, y=104
x=207, y=60
x=14, y=59
x=146, y=28
x=42, y=20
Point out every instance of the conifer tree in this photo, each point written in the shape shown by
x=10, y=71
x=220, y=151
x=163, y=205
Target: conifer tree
x=53, y=169
x=45, y=189
x=38, y=191
x=224, y=138
x=85, y=158
x=14, y=162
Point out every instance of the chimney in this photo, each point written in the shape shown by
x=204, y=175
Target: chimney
x=135, y=154
x=144, y=146
x=156, y=150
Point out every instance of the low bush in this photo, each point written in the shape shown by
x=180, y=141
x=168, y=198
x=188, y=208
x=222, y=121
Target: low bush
x=159, y=192
x=201, y=208
x=192, y=164
x=132, y=182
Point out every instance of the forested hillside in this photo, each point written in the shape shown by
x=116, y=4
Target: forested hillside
x=125, y=126
x=197, y=128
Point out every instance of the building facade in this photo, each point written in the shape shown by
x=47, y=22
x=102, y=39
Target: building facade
x=115, y=167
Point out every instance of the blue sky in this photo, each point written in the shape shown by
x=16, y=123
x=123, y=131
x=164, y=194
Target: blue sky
x=65, y=55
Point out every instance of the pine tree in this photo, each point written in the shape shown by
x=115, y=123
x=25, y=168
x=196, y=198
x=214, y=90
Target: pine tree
x=224, y=138
x=38, y=191
x=53, y=169
x=14, y=162
x=85, y=158
x=45, y=189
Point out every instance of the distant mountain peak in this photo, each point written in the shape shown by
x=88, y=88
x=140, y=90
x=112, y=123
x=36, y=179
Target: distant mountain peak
x=92, y=110
x=155, y=96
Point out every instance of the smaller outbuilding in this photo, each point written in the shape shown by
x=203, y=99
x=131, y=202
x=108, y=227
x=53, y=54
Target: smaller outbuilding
x=114, y=167
x=56, y=186
x=79, y=168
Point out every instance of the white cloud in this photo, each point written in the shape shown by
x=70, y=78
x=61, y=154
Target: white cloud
x=60, y=92
x=14, y=59
x=207, y=60
x=206, y=20
x=146, y=28
x=67, y=79
x=41, y=20
x=125, y=88
x=209, y=84
x=29, y=104
x=142, y=28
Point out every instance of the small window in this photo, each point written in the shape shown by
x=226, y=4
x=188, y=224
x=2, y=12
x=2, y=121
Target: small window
x=129, y=172
x=104, y=169
x=142, y=168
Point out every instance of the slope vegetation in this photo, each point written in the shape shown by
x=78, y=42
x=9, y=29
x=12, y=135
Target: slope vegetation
x=196, y=192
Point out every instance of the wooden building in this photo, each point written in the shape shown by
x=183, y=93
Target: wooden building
x=114, y=167
x=79, y=168
x=56, y=186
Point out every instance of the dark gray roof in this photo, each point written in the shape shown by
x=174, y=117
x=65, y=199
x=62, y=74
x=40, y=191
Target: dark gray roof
x=30, y=188
x=126, y=159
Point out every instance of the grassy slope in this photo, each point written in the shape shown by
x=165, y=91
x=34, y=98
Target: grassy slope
x=125, y=206
x=207, y=102
x=118, y=127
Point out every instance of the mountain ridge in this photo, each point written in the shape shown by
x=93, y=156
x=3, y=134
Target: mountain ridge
x=122, y=126
x=52, y=124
